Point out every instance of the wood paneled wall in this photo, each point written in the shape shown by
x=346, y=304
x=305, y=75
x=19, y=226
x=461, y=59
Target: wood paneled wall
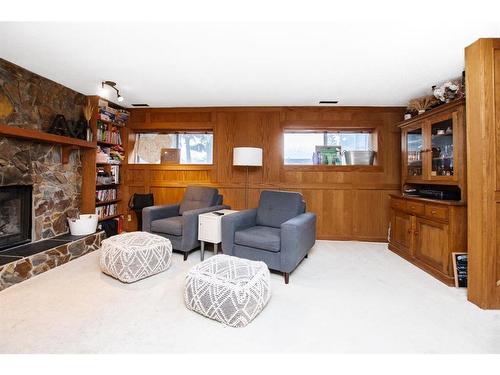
x=351, y=202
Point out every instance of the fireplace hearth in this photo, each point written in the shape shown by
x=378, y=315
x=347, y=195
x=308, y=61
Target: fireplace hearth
x=15, y=215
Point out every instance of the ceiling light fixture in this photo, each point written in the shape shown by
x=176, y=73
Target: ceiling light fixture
x=328, y=101
x=113, y=86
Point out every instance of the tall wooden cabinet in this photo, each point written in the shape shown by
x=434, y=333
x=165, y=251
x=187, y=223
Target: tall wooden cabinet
x=426, y=231
x=482, y=66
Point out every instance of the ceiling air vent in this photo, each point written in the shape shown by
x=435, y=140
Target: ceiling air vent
x=140, y=105
x=328, y=101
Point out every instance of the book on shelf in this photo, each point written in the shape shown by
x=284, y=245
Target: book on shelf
x=107, y=178
x=119, y=221
x=122, y=116
x=115, y=172
x=110, y=154
x=108, y=133
x=107, y=113
x=105, y=195
x=107, y=210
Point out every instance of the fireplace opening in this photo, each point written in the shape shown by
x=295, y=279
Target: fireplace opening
x=15, y=215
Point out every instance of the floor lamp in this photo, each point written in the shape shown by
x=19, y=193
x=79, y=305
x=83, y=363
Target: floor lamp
x=247, y=157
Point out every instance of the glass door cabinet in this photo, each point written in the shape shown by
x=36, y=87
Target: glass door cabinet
x=429, y=149
x=414, y=152
x=442, y=148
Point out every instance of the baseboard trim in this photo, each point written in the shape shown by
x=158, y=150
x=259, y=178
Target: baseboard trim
x=353, y=238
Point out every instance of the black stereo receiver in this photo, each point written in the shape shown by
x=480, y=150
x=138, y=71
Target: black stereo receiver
x=451, y=195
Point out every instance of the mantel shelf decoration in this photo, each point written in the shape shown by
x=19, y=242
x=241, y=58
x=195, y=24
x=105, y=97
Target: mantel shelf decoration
x=69, y=128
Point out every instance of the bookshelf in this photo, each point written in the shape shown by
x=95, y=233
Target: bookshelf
x=102, y=167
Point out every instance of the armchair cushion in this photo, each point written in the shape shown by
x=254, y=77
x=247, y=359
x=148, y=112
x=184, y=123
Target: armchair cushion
x=276, y=207
x=150, y=214
x=230, y=224
x=265, y=238
x=197, y=197
x=170, y=225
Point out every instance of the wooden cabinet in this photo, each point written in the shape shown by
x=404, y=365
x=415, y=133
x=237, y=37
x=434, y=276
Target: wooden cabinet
x=401, y=229
x=431, y=244
x=433, y=146
x=426, y=232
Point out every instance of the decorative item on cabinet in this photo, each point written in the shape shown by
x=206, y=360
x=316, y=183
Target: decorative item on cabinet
x=440, y=94
x=420, y=105
x=449, y=90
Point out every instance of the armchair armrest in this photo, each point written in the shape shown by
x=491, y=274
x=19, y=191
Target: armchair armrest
x=298, y=235
x=152, y=213
x=234, y=222
x=190, y=224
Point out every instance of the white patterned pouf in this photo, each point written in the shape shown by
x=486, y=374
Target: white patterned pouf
x=134, y=256
x=228, y=289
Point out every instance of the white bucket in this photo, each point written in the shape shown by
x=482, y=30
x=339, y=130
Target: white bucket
x=85, y=224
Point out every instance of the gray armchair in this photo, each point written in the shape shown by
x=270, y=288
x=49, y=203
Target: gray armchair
x=280, y=233
x=179, y=222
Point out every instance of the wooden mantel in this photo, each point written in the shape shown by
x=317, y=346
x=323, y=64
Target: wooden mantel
x=68, y=144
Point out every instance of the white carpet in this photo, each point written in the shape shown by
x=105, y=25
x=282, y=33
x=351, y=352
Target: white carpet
x=346, y=297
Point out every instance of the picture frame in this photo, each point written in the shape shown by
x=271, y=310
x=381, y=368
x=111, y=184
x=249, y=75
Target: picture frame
x=170, y=156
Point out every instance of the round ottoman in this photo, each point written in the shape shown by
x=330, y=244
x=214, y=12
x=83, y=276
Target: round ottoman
x=134, y=256
x=228, y=289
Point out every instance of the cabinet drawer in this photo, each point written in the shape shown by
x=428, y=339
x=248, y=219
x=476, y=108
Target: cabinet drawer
x=436, y=212
x=398, y=204
x=415, y=207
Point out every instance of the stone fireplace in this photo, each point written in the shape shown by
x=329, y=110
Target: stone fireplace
x=55, y=186
x=38, y=192
x=30, y=101
x=15, y=215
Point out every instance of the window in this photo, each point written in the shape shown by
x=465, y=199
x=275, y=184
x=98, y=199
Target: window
x=195, y=148
x=301, y=146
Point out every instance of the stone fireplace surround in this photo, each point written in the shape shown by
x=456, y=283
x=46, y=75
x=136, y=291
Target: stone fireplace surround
x=55, y=196
x=42, y=256
x=30, y=101
x=56, y=186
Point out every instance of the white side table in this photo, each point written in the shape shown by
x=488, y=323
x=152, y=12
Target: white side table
x=209, y=229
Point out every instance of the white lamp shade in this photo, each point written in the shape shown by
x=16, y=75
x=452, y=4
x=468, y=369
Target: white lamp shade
x=247, y=156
